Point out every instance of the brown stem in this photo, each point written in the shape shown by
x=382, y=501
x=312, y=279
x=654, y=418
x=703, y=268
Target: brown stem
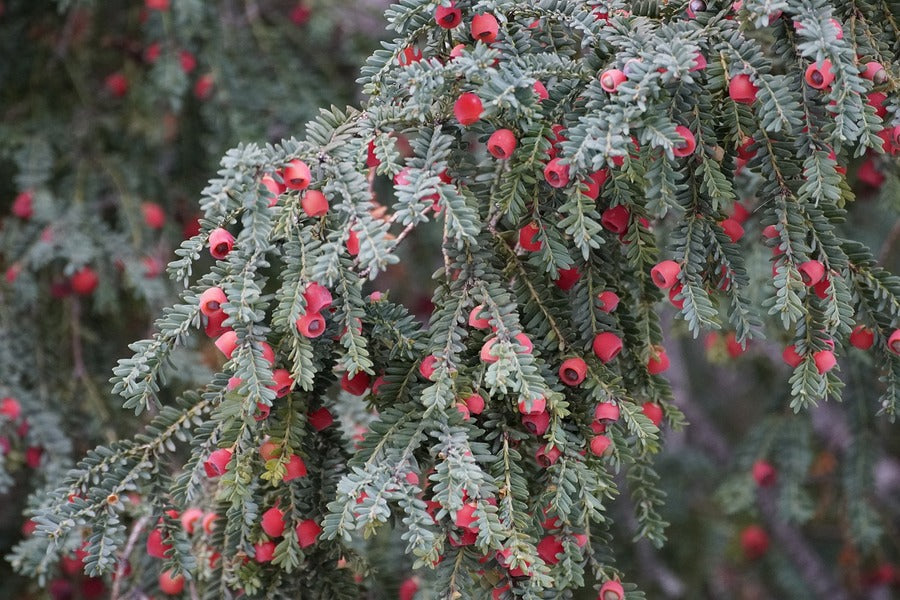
x=126, y=551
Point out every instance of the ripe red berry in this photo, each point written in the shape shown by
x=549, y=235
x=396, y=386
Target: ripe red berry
x=22, y=205
x=573, y=371
x=754, y=542
x=862, y=337
x=791, y=356
x=448, y=17
x=875, y=72
x=607, y=346
x=893, y=342
x=616, y=219
x=658, y=361
x=427, y=366
x=537, y=423
x=485, y=28
x=468, y=108
x=764, y=473
x=217, y=462
x=611, y=79
x=611, y=590
x=549, y=548
x=297, y=175
x=211, y=301
x=608, y=301
x=317, y=297
x=475, y=404
x=311, y=325
x=869, y=174
x=356, y=385
x=314, y=203
x=171, y=584
x=154, y=215
x=812, y=272
x=408, y=589
x=187, y=61
x=84, y=281
x=220, y=243
x=600, y=445
x=606, y=411
x=541, y=90
x=320, y=419
x=10, y=408
x=476, y=321
x=204, y=86
x=546, y=457
x=528, y=237
x=502, y=143
x=567, y=279
x=825, y=361
x=741, y=89
x=818, y=75
x=227, y=343
x=665, y=274
x=283, y=383
x=264, y=552
x=732, y=229
x=295, y=468
x=486, y=355
x=308, y=532
x=595, y=183
x=699, y=62
x=273, y=522
x=190, y=518
x=556, y=174
x=538, y=405
x=116, y=84
x=408, y=56
x=156, y=547
x=653, y=412
x=688, y=144
x=465, y=516
x=300, y=14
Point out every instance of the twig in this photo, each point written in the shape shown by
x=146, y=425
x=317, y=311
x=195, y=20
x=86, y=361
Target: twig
x=129, y=546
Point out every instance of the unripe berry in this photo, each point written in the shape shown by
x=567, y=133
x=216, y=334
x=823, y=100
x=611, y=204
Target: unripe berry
x=893, y=342
x=665, y=274
x=477, y=322
x=653, y=412
x=538, y=405
x=567, y=279
x=608, y=301
x=297, y=175
x=311, y=325
x=548, y=548
x=658, y=361
x=211, y=301
x=356, y=385
x=687, y=146
x=294, y=469
x=732, y=229
x=220, y=243
x=825, y=361
x=573, y=371
x=764, y=473
x=485, y=28
x=812, y=272
x=607, y=346
x=742, y=90
x=528, y=237
x=600, y=445
x=537, y=423
x=273, y=522
x=217, y=462
x=314, y=203
x=171, y=584
x=448, y=17
x=611, y=79
x=754, y=542
x=818, y=75
x=468, y=108
x=227, y=343
x=556, y=174
x=84, y=281
x=502, y=143
x=611, y=590
x=546, y=457
x=156, y=547
x=475, y=404
x=616, y=219
x=264, y=552
x=862, y=337
x=308, y=532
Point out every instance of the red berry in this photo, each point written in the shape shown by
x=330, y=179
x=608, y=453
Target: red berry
x=573, y=371
x=476, y=321
x=187, y=60
x=548, y=549
x=297, y=175
x=220, y=243
x=427, y=366
x=468, y=108
x=116, y=84
x=608, y=301
x=156, y=4
x=155, y=545
x=22, y=205
x=688, y=144
x=84, y=281
x=283, y=383
x=485, y=28
x=556, y=173
x=264, y=552
x=616, y=219
x=606, y=411
x=464, y=411
x=611, y=79
x=227, y=343
x=154, y=215
x=300, y=14
x=699, y=62
x=754, y=542
x=893, y=342
x=475, y=404
x=875, y=72
x=732, y=229
x=658, y=361
x=317, y=297
x=869, y=174
x=273, y=522
x=408, y=589
x=408, y=56
x=862, y=337
x=764, y=473
x=448, y=17
x=546, y=457
x=600, y=445
x=528, y=237
x=825, y=361
x=541, y=90
x=486, y=355
x=171, y=584
x=501, y=143
x=308, y=532
x=314, y=203
x=217, y=462
x=211, y=301
x=611, y=590
x=320, y=419
x=525, y=342
x=812, y=272
x=538, y=405
x=567, y=279
x=818, y=75
x=190, y=518
x=741, y=89
x=204, y=86
x=465, y=517
x=595, y=183
x=607, y=346
x=295, y=468
x=11, y=409
x=356, y=385
x=311, y=325
x=653, y=412
x=665, y=274
x=537, y=423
